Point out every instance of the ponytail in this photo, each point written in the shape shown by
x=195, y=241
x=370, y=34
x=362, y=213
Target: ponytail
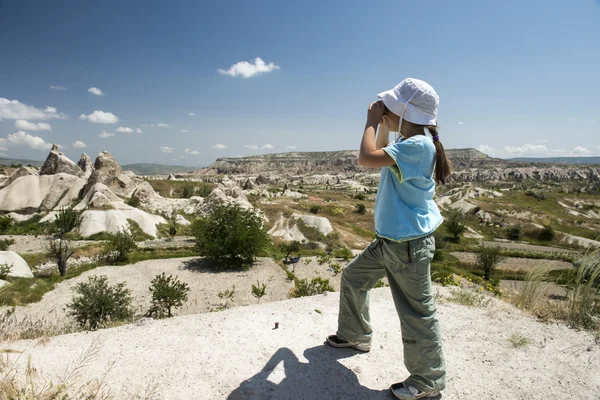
x=443, y=168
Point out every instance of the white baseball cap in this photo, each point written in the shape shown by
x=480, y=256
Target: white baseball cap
x=413, y=100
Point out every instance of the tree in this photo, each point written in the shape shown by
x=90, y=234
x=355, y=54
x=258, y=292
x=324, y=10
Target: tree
x=289, y=248
x=97, y=302
x=60, y=252
x=230, y=235
x=547, y=233
x=515, y=232
x=173, y=226
x=167, y=292
x=6, y=222
x=67, y=219
x=488, y=258
x=454, y=225
x=259, y=290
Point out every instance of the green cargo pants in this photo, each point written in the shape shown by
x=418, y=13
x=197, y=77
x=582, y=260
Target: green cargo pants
x=407, y=267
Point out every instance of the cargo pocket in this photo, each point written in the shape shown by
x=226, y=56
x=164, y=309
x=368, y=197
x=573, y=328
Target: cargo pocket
x=397, y=254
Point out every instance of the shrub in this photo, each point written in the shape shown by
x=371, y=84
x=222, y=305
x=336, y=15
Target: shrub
x=188, y=191
x=6, y=222
x=5, y=244
x=488, y=258
x=546, y=234
x=230, y=235
x=133, y=202
x=204, y=190
x=97, y=302
x=317, y=285
x=314, y=209
x=361, y=208
x=259, y=290
x=454, y=225
x=380, y=283
x=336, y=268
x=4, y=270
x=66, y=220
x=514, y=232
x=343, y=253
x=359, y=196
x=119, y=245
x=228, y=295
x=167, y=292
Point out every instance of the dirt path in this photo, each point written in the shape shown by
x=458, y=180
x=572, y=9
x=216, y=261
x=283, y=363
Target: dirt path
x=515, y=263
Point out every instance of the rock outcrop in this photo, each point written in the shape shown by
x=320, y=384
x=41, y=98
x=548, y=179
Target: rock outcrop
x=108, y=172
x=57, y=163
x=19, y=267
x=86, y=165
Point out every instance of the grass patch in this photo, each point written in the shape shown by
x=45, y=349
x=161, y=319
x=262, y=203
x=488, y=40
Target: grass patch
x=181, y=189
x=517, y=340
x=468, y=298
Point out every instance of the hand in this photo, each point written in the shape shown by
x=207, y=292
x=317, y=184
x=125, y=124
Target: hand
x=385, y=124
x=375, y=113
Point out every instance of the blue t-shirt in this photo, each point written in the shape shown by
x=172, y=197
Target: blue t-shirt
x=404, y=208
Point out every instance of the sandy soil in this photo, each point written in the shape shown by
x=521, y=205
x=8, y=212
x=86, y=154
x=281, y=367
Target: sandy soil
x=236, y=354
x=516, y=263
x=527, y=246
x=25, y=244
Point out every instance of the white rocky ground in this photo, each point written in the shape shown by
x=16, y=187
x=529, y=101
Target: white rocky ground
x=237, y=354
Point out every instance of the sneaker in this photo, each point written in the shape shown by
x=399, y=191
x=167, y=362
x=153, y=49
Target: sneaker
x=335, y=341
x=403, y=391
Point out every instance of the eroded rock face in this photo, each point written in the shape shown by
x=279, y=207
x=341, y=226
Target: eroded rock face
x=22, y=171
x=86, y=165
x=108, y=172
x=19, y=267
x=57, y=162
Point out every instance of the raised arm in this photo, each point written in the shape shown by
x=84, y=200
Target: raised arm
x=370, y=155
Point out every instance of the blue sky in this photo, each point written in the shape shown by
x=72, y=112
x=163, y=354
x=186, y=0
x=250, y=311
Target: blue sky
x=515, y=78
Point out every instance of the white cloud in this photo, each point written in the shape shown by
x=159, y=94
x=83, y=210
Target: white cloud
x=248, y=69
x=560, y=151
x=96, y=91
x=192, y=152
x=267, y=146
x=57, y=87
x=126, y=129
x=166, y=149
x=100, y=117
x=13, y=109
x=3, y=141
x=25, y=139
x=290, y=147
x=526, y=149
x=218, y=146
x=159, y=125
x=191, y=114
x=3, y=149
x=581, y=150
x=461, y=123
x=105, y=135
x=484, y=148
x=185, y=131
x=251, y=146
x=79, y=145
x=23, y=125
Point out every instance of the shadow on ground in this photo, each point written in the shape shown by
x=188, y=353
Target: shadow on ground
x=206, y=266
x=323, y=377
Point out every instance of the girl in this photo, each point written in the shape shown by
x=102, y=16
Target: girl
x=405, y=218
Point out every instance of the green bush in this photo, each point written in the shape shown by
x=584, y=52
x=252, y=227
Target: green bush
x=343, y=253
x=488, y=258
x=314, y=209
x=6, y=222
x=133, y=202
x=230, y=235
x=454, y=225
x=5, y=244
x=259, y=290
x=359, y=196
x=289, y=248
x=361, y=208
x=118, y=246
x=96, y=302
x=167, y=293
x=66, y=220
x=514, y=232
x=547, y=234
x=4, y=270
x=317, y=285
x=173, y=226
x=204, y=190
x=188, y=191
